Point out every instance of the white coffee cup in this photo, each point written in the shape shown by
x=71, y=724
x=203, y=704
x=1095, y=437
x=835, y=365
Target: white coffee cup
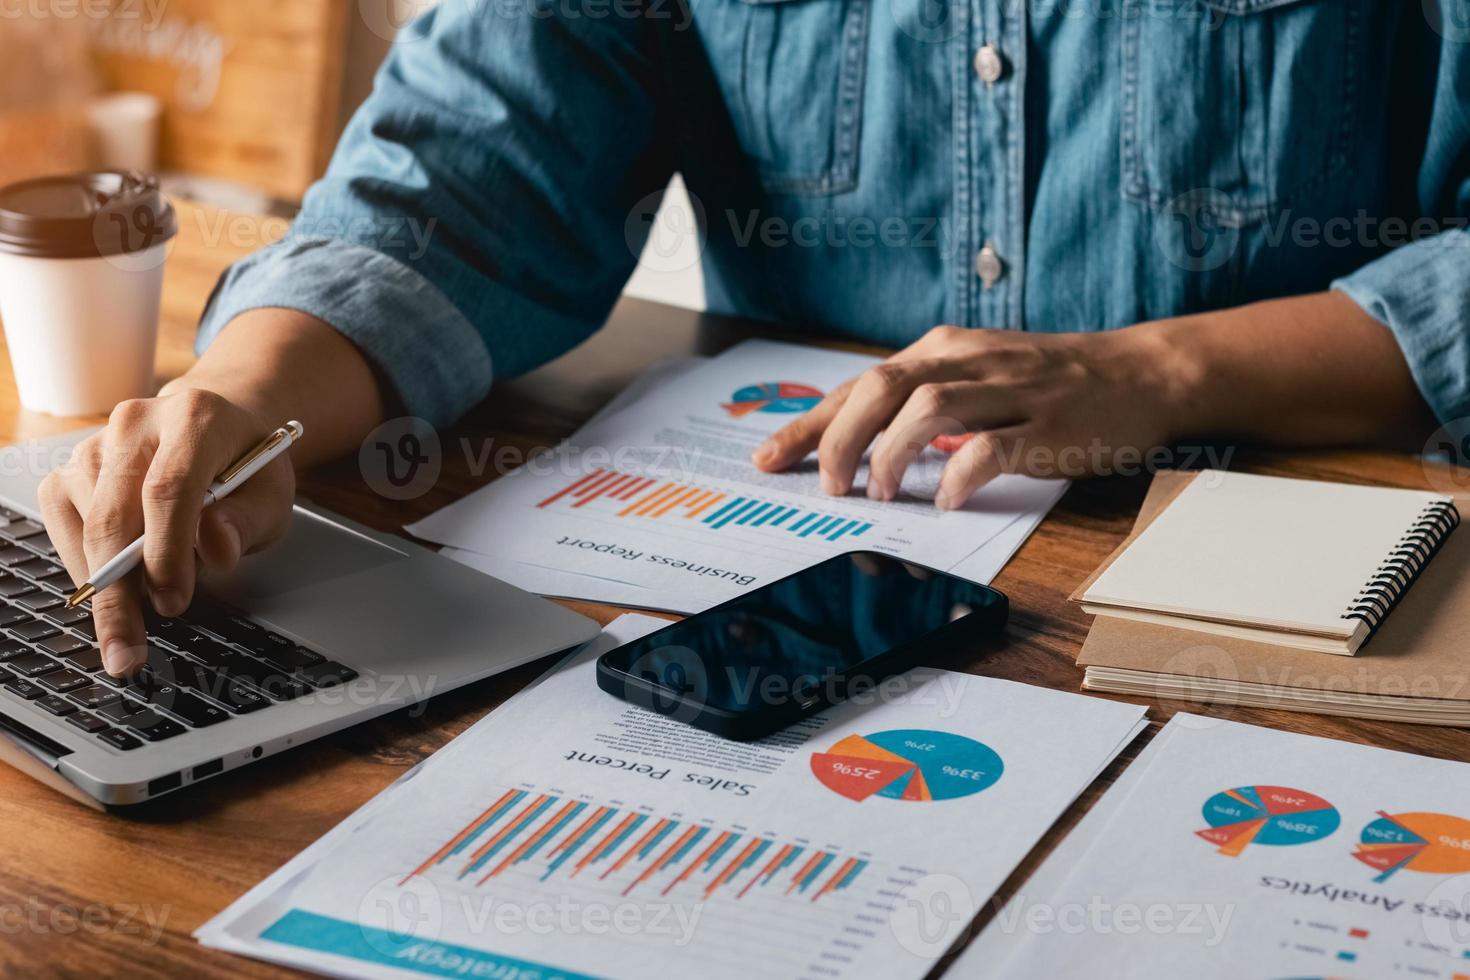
x=81, y=278
x=124, y=129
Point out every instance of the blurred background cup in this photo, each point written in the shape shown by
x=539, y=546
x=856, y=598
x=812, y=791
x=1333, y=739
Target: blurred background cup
x=124, y=128
x=81, y=275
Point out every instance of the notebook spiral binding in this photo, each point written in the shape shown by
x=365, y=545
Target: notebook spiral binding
x=1404, y=564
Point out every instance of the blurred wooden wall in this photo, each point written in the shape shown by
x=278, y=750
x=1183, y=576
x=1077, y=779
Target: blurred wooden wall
x=251, y=87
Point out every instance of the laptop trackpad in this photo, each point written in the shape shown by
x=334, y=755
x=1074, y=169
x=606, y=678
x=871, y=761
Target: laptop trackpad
x=313, y=552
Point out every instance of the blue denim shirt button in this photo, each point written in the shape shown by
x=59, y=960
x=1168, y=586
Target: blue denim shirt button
x=989, y=64
x=988, y=265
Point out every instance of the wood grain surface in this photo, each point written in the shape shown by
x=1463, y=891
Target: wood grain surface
x=85, y=893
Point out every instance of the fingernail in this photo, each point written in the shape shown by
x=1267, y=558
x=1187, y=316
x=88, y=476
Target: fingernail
x=879, y=491
x=830, y=486
x=117, y=657
x=947, y=501
x=763, y=454
x=168, y=602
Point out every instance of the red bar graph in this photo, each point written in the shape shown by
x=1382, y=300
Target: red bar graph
x=643, y=496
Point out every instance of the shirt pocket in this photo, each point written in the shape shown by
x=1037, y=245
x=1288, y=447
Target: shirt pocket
x=791, y=73
x=1244, y=106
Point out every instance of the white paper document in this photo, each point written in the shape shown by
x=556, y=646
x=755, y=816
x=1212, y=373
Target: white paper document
x=568, y=834
x=981, y=566
x=1228, y=850
x=656, y=503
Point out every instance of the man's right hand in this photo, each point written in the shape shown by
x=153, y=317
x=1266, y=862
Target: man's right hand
x=145, y=474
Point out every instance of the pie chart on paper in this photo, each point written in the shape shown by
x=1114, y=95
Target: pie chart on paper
x=908, y=764
x=1274, y=816
x=774, y=397
x=1432, y=843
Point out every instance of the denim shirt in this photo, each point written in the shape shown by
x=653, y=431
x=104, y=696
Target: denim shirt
x=872, y=168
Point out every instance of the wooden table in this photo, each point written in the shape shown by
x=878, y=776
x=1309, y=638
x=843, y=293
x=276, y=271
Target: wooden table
x=119, y=894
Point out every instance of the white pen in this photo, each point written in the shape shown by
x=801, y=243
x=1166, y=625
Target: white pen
x=229, y=481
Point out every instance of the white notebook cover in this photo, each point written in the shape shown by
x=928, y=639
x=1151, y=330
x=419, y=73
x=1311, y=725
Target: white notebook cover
x=1263, y=551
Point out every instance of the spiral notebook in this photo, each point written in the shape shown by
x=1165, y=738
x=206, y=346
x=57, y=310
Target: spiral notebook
x=1298, y=563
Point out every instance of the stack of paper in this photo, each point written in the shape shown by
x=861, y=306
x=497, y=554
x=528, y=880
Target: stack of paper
x=655, y=504
x=569, y=834
x=1228, y=850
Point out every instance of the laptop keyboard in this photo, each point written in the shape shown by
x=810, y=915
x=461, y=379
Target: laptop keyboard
x=208, y=667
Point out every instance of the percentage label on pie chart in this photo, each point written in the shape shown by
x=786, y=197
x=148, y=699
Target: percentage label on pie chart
x=774, y=397
x=1432, y=843
x=908, y=764
x=1274, y=816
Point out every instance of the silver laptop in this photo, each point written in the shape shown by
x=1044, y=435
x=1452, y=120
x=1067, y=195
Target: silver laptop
x=334, y=625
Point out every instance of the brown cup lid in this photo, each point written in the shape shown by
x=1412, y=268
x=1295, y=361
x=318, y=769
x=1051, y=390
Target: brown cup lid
x=83, y=216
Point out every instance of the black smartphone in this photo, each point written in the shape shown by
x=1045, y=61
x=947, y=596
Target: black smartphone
x=755, y=664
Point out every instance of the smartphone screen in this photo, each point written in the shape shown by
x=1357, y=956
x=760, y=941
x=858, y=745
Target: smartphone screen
x=782, y=646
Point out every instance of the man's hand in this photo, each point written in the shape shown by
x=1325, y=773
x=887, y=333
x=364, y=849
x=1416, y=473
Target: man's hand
x=1004, y=401
x=146, y=473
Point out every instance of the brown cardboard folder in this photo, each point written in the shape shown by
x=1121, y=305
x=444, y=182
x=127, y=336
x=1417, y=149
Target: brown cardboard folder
x=1417, y=668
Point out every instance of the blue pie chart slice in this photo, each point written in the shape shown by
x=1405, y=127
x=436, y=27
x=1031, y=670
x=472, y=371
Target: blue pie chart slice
x=952, y=766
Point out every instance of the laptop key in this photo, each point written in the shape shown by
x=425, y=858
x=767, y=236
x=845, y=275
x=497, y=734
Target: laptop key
x=11, y=586
x=23, y=528
x=177, y=669
x=157, y=731
x=34, y=630
x=95, y=696
x=23, y=688
x=88, y=658
x=236, y=697
x=59, y=579
x=158, y=692
x=195, y=711
x=88, y=723
x=121, y=709
x=292, y=658
x=275, y=684
x=143, y=720
x=68, y=617
x=236, y=629
x=9, y=615
x=210, y=652
x=119, y=739
x=15, y=555
x=40, y=601
x=36, y=568
x=328, y=673
x=10, y=649
x=56, y=705
x=171, y=631
x=33, y=665
x=65, y=680
x=60, y=646
x=5, y=677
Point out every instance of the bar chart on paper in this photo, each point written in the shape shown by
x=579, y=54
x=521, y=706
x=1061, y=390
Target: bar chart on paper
x=627, y=496
x=527, y=845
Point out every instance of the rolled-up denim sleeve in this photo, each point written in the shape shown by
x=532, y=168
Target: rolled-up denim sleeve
x=1421, y=290
x=474, y=221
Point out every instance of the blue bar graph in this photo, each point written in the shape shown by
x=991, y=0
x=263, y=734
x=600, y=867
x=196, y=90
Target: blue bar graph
x=752, y=513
